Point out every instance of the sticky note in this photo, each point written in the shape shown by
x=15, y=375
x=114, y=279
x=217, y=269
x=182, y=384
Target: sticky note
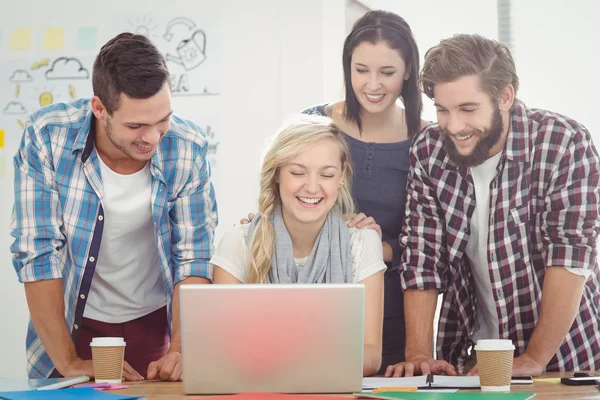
x=86, y=38
x=54, y=39
x=1, y=138
x=20, y=39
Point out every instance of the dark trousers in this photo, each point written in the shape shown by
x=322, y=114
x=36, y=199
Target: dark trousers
x=394, y=328
x=146, y=338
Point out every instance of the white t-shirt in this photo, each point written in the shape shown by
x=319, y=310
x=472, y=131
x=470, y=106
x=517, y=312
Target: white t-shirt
x=486, y=326
x=128, y=281
x=232, y=253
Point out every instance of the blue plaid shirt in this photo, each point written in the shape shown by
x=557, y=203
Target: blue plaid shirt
x=58, y=217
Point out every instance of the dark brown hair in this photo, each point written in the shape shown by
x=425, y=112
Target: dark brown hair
x=463, y=55
x=382, y=26
x=128, y=64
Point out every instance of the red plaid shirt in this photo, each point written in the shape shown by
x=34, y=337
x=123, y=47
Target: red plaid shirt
x=544, y=205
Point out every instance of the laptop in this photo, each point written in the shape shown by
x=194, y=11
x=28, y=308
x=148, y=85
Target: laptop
x=284, y=338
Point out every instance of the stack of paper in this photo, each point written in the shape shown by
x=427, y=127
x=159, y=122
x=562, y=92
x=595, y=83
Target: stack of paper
x=423, y=382
x=446, y=396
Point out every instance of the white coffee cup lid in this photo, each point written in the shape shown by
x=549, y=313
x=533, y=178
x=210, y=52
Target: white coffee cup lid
x=107, y=341
x=494, y=344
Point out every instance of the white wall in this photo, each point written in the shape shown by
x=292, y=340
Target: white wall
x=558, y=57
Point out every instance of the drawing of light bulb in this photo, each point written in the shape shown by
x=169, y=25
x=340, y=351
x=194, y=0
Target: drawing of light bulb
x=45, y=99
x=143, y=30
x=143, y=25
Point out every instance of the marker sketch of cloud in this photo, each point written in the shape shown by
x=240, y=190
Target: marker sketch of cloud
x=20, y=75
x=14, y=107
x=67, y=68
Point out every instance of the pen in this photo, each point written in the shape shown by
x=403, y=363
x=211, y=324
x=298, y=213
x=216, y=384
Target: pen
x=396, y=389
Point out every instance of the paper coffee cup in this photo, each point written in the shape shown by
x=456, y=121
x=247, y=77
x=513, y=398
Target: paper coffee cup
x=107, y=355
x=495, y=360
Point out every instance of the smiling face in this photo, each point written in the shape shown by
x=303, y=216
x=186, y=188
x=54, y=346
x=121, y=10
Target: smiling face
x=472, y=123
x=377, y=73
x=309, y=183
x=136, y=127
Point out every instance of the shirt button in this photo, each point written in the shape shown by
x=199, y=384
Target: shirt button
x=82, y=296
x=370, y=156
x=371, y=145
x=92, y=259
x=466, y=230
x=492, y=220
x=76, y=326
x=492, y=257
x=368, y=167
x=100, y=218
x=499, y=293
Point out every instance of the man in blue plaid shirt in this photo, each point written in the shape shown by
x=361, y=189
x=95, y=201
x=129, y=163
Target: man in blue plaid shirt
x=114, y=209
x=502, y=218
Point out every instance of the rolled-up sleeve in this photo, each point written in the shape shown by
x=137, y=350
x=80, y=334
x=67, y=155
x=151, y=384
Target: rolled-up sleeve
x=39, y=245
x=571, y=221
x=424, y=260
x=194, y=220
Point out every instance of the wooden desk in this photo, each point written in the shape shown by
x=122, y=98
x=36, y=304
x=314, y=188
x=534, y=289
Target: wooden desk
x=545, y=391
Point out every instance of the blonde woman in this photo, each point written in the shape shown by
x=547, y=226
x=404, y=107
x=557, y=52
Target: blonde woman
x=300, y=235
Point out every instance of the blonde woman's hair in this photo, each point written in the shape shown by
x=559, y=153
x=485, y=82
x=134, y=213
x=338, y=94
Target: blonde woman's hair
x=295, y=137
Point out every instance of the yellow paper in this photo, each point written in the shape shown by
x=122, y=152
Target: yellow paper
x=1, y=138
x=20, y=39
x=547, y=380
x=54, y=39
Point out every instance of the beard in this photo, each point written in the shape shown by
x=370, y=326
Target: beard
x=487, y=139
x=109, y=134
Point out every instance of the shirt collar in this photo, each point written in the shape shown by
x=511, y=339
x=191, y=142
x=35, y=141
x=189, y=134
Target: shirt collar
x=516, y=148
x=85, y=136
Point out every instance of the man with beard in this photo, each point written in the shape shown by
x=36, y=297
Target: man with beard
x=114, y=210
x=502, y=219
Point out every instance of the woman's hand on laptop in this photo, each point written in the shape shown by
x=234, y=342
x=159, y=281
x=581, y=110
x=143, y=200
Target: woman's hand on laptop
x=168, y=368
x=420, y=366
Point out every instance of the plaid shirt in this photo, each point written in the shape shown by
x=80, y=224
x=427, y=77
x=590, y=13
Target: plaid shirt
x=58, y=217
x=543, y=212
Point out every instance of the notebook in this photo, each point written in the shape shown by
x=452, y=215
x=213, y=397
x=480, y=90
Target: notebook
x=445, y=396
x=12, y=385
x=64, y=394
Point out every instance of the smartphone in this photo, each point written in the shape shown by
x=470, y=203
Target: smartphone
x=521, y=380
x=580, y=378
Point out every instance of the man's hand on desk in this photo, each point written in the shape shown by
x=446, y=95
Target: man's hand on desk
x=422, y=365
x=78, y=367
x=524, y=365
x=167, y=368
